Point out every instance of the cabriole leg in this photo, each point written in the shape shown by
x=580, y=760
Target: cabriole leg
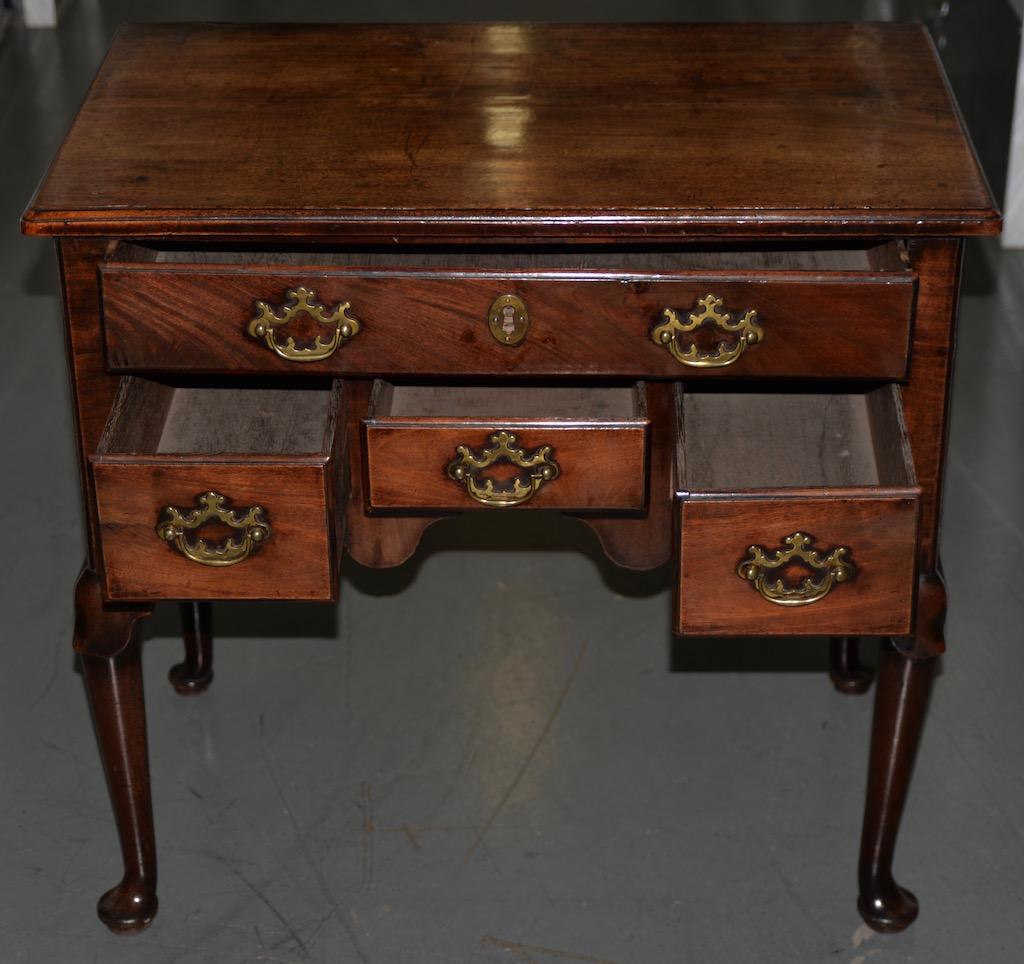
x=847, y=672
x=904, y=682
x=196, y=672
x=113, y=677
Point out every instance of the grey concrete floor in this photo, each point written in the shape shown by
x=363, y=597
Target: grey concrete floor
x=491, y=754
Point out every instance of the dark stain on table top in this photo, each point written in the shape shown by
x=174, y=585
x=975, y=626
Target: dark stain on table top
x=508, y=130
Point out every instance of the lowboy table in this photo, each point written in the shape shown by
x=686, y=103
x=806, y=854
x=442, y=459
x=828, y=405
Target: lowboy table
x=696, y=284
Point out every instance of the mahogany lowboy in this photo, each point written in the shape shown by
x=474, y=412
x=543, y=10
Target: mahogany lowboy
x=670, y=294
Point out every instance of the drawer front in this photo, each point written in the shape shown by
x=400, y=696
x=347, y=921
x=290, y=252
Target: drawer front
x=450, y=448
x=868, y=590
x=187, y=317
x=592, y=469
x=291, y=558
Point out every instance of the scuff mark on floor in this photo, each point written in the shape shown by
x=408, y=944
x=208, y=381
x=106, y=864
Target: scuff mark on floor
x=411, y=834
x=525, y=952
x=541, y=737
x=861, y=934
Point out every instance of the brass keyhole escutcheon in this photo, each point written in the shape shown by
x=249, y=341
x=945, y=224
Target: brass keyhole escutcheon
x=508, y=319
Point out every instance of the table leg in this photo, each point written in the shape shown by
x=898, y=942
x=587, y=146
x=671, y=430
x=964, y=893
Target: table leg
x=904, y=682
x=113, y=677
x=847, y=672
x=195, y=673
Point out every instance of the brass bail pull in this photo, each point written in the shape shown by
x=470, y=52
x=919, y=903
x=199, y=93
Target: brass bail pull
x=468, y=467
x=727, y=350
x=833, y=568
x=268, y=326
x=251, y=524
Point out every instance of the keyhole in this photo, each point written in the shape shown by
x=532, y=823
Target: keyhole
x=508, y=325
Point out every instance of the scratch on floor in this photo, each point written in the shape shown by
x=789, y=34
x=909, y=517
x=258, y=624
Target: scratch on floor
x=541, y=737
x=412, y=831
x=300, y=839
x=366, y=805
x=525, y=951
x=285, y=923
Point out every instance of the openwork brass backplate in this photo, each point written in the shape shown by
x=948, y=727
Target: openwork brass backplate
x=834, y=568
x=726, y=351
x=508, y=319
x=267, y=324
x=253, y=529
x=539, y=465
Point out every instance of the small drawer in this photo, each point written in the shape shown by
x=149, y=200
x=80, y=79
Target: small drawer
x=798, y=515
x=699, y=313
x=448, y=448
x=219, y=493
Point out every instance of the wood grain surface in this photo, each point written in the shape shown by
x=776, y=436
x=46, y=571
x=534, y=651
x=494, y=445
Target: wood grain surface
x=881, y=532
x=516, y=130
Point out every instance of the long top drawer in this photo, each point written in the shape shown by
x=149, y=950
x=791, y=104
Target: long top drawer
x=806, y=313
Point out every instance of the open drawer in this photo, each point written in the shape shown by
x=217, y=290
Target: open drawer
x=218, y=493
x=812, y=311
x=798, y=514
x=430, y=448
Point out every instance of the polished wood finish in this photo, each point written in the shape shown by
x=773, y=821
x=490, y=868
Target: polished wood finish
x=648, y=541
x=517, y=131
x=591, y=321
x=900, y=702
x=377, y=541
x=754, y=469
x=598, y=437
x=195, y=673
x=93, y=390
x=420, y=171
x=112, y=670
x=847, y=672
x=926, y=395
x=148, y=460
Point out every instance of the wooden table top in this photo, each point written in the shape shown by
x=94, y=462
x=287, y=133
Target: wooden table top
x=505, y=130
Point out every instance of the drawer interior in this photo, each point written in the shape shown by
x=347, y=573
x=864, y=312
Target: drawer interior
x=152, y=417
x=482, y=402
x=736, y=442
x=887, y=256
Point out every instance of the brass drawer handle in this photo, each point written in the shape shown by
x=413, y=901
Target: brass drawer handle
x=667, y=334
x=251, y=523
x=466, y=469
x=835, y=568
x=266, y=324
